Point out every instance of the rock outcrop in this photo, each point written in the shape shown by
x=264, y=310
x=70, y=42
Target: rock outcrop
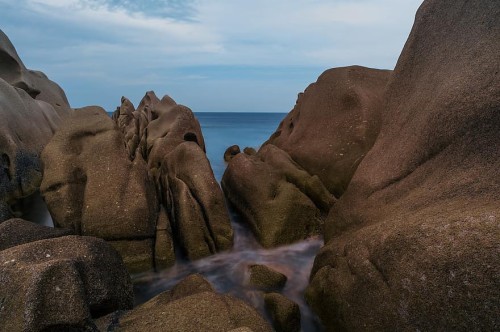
x=169, y=138
x=279, y=200
x=334, y=123
x=413, y=243
x=190, y=306
x=61, y=284
x=91, y=186
x=31, y=108
x=284, y=313
x=265, y=278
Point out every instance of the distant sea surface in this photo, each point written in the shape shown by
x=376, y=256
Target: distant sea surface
x=222, y=130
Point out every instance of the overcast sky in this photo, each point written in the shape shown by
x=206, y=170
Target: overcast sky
x=210, y=55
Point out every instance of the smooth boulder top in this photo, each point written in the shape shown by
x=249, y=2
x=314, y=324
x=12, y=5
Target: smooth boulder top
x=414, y=241
x=334, y=123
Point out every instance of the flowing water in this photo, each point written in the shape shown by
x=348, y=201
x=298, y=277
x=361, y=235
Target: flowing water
x=227, y=271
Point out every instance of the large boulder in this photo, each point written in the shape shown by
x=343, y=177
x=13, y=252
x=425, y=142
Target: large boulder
x=61, y=284
x=169, y=137
x=190, y=306
x=413, y=243
x=31, y=108
x=14, y=232
x=35, y=83
x=91, y=186
x=334, y=123
x=280, y=201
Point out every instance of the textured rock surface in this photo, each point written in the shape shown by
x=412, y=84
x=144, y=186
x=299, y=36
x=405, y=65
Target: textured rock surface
x=14, y=232
x=230, y=152
x=334, y=123
x=31, y=107
x=92, y=187
x=414, y=242
x=61, y=284
x=169, y=137
x=280, y=201
x=265, y=278
x=285, y=313
x=192, y=305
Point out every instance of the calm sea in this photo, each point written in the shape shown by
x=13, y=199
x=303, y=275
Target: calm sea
x=222, y=130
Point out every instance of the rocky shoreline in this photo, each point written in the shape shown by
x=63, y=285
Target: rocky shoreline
x=397, y=170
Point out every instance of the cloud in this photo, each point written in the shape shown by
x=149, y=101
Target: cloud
x=138, y=44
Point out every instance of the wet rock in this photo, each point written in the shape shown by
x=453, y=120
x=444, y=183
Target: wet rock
x=61, y=284
x=230, y=152
x=195, y=307
x=284, y=313
x=334, y=123
x=280, y=201
x=265, y=278
x=14, y=232
x=92, y=187
x=413, y=242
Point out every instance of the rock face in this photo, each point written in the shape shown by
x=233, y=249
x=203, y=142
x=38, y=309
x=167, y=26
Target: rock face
x=285, y=313
x=280, y=201
x=169, y=137
x=334, y=123
x=190, y=306
x=61, y=284
x=14, y=232
x=265, y=278
x=31, y=107
x=92, y=187
x=414, y=241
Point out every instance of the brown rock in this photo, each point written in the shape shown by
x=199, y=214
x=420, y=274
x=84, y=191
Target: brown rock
x=334, y=123
x=164, y=243
x=195, y=308
x=62, y=284
x=92, y=187
x=249, y=151
x=14, y=232
x=414, y=241
x=280, y=201
x=266, y=278
x=230, y=152
x=285, y=313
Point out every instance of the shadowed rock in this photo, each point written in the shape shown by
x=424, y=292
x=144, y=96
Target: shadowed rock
x=192, y=305
x=414, y=241
x=285, y=313
x=265, y=278
x=61, y=284
x=230, y=152
x=92, y=187
x=280, y=201
x=334, y=123
x=14, y=232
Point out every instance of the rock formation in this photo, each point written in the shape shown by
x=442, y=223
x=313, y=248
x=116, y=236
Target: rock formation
x=169, y=137
x=284, y=313
x=61, y=284
x=91, y=186
x=413, y=243
x=31, y=108
x=192, y=305
x=285, y=190
x=334, y=123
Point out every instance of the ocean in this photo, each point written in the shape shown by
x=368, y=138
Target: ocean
x=227, y=271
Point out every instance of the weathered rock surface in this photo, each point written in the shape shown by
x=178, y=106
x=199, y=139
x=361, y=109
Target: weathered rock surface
x=230, y=152
x=414, y=241
x=169, y=137
x=92, y=187
x=285, y=313
x=61, y=284
x=192, y=305
x=334, y=123
x=14, y=232
x=31, y=107
x=266, y=278
x=280, y=201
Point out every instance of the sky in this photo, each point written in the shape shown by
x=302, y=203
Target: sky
x=210, y=55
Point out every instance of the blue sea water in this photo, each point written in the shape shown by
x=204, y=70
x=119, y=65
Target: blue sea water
x=222, y=130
